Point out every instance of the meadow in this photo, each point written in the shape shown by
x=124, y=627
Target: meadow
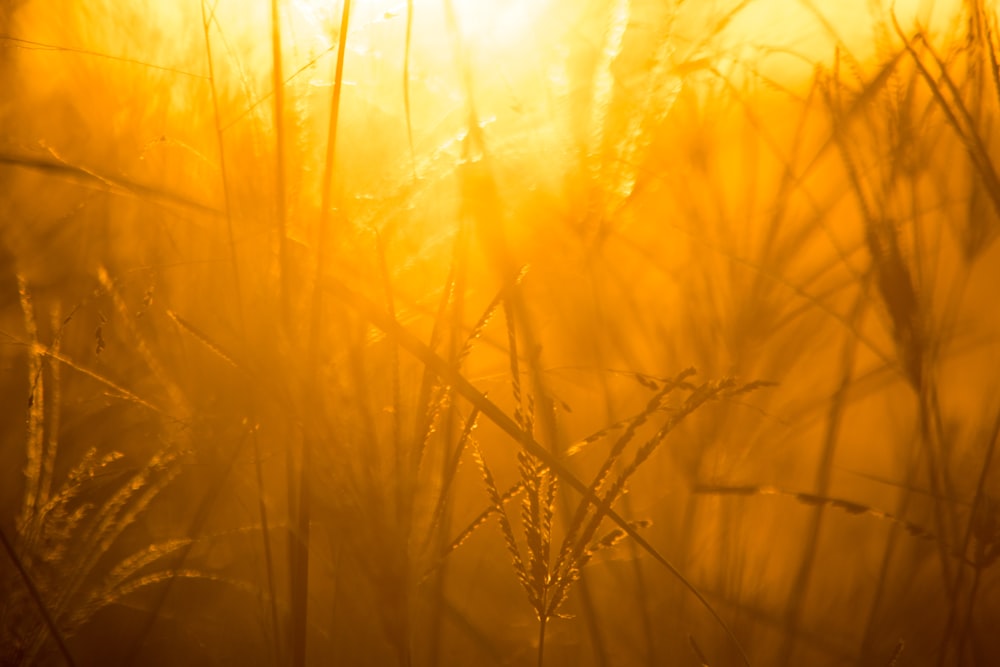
x=499, y=332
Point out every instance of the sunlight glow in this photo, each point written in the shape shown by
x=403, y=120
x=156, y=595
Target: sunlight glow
x=789, y=38
x=482, y=22
x=323, y=335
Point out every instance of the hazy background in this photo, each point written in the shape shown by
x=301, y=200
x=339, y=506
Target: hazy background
x=215, y=450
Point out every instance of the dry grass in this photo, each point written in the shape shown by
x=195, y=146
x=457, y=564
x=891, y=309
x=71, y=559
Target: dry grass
x=337, y=333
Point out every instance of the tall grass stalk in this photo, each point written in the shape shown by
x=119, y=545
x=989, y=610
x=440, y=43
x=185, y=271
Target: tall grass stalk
x=207, y=21
x=36, y=597
x=312, y=389
x=601, y=506
x=983, y=527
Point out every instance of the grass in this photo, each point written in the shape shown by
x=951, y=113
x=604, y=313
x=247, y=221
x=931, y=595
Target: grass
x=602, y=333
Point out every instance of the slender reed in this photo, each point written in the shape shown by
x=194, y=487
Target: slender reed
x=207, y=20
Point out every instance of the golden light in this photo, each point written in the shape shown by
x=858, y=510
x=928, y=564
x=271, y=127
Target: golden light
x=358, y=340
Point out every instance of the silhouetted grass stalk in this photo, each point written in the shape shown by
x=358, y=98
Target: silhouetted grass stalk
x=37, y=599
x=207, y=21
x=312, y=390
x=602, y=508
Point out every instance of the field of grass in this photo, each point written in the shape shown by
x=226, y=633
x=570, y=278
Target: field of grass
x=499, y=332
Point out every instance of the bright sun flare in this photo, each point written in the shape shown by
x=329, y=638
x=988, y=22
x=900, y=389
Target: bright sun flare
x=784, y=37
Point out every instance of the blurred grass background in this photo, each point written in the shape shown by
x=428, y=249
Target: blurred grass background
x=253, y=342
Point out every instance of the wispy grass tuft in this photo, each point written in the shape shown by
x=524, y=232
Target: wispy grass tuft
x=370, y=277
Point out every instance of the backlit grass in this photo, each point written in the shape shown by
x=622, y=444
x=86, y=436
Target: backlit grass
x=446, y=332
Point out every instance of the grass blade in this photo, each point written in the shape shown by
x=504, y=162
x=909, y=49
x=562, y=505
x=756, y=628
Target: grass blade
x=491, y=411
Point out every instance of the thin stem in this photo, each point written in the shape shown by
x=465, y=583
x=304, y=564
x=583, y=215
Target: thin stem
x=966, y=542
x=838, y=406
x=406, y=84
x=238, y=289
x=967, y=625
x=541, y=639
x=300, y=591
x=279, y=159
x=37, y=598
